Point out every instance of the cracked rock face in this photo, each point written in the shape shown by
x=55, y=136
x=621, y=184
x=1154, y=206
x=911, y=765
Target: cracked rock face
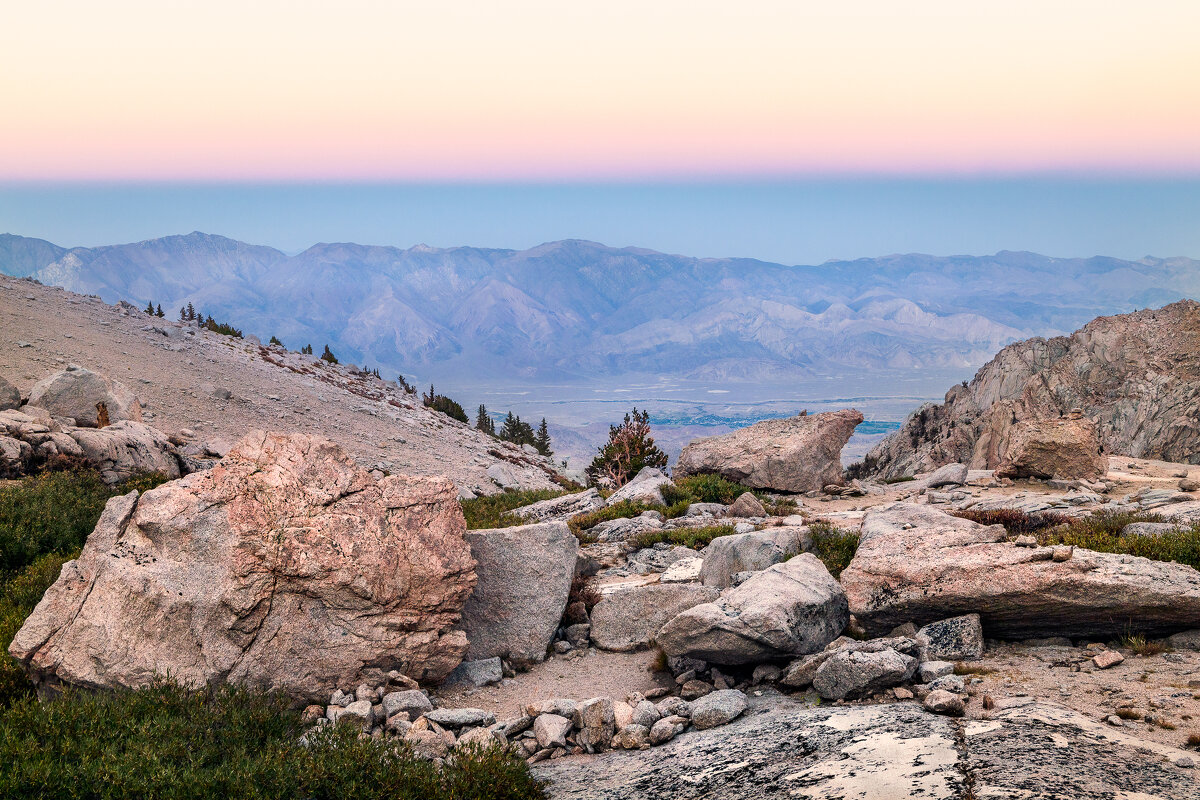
x=285, y=567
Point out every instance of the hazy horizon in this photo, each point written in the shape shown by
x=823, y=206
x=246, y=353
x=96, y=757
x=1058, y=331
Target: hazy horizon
x=788, y=221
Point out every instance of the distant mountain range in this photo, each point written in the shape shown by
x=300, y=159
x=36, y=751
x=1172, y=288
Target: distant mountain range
x=574, y=310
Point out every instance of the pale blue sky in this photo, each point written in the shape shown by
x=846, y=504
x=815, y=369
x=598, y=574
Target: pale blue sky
x=795, y=222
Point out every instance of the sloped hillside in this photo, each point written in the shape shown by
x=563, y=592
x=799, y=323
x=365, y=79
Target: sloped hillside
x=220, y=387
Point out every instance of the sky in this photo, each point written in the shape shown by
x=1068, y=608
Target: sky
x=786, y=130
x=551, y=90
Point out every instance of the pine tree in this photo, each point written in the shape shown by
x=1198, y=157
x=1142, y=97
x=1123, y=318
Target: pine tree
x=150, y=308
x=329, y=356
x=629, y=449
x=158, y=312
x=275, y=340
x=191, y=312
x=541, y=439
x=484, y=422
x=182, y=314
x=307, y=350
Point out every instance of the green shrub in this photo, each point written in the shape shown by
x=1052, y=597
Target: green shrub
x=491, y=511
x=629, y=449
x=694, y=538
x=1015, y=522
x=54, y=512
x=580, y=524
x=710, y=488
x=1101, y=532
x=165, y=742
x=834, y=546
x=18, y=596
x=439, y=402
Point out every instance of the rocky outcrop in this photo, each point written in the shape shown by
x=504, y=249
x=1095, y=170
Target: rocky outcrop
x=917, y=564
x=645, y=487
x=125, y=449
x=726, y=556
x=630, y=619
x=30, y=436
x=797, y=454
x=560, y=508
x=783, y=749
x=1133, y=374
x=285, y=567
x=789, y=609
x=10, y=396
x=1054, y=448
x=524, y=576
x=75, y=392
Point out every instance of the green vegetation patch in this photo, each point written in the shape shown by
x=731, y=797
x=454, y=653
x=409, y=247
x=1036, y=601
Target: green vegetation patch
x=1101, y=532
x=695, y=538
x=581, y=524
x=491, y=511
x=1017, y=523
x=834, y=546
x=54, y=512
x=166, y=742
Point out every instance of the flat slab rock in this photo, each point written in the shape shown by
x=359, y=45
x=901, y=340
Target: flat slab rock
x=781, y=748
x=918, y=564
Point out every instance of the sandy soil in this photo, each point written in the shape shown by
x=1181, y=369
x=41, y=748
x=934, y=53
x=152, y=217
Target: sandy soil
x=595, y=674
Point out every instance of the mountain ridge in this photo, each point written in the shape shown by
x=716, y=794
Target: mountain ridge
x=574, y=308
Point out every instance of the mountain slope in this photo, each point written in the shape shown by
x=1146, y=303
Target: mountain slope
x=570, y=310
x=1137, y=375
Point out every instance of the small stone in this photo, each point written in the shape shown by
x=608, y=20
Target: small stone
x=631, y=737
x=902, y=693
x=551, y=730
x=1114, y=720
x=667, y=729
x=932, y=670
x=1062, y=553
x=1185, y=762
x=410, y=702
x=1107, y=658
x=460, y=717
x=694, y=689
x=1026, y=541
x=766, y=673
x=718, y=708
x=645, y=713
x=942, y=702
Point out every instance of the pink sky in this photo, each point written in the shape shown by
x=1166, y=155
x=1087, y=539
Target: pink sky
x=132, y=89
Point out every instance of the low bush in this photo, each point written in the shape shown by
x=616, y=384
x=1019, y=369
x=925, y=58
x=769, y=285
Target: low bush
x=1017, y=523
x=54, y=512
x=1140, y=645
x=1181, y=546
x=695, y=538
x=167, y=742
x=834, y=546
x=580, y=524
x=491, y=511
